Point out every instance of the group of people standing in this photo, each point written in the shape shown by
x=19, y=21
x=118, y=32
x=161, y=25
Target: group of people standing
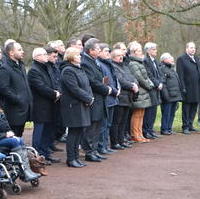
x=107, y=98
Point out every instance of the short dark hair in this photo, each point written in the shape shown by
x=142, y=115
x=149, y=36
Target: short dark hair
x=90, y=44
x=86, y=37
x=50, y=50
x=71, y=41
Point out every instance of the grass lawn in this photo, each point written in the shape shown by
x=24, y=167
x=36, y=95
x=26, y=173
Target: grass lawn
x=177, y=125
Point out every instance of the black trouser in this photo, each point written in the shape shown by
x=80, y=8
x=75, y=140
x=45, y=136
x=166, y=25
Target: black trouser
x=149, y=120
x=188, y=114
x=91, y=138
x=73, y=141
x=117, y=130
x=60, y=129
x=18, y=129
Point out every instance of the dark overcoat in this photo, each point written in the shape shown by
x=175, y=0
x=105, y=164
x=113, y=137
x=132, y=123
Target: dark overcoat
x=44, y=96
x=156, y=77
x=171, y=91
x=77, y=95
x=15, y=90
x=189, y=75
x=100, y=90
x=126, y=80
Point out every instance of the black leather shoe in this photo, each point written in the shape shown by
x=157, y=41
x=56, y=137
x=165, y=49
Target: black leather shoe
x=155, y=135
x=100, y=156
x=92, y=158
x=103, y=151
x=126, y=145
x=74, y=164
x=111, y=150
x=53, y=160
x=81, y=163
x=117, y=147
x=186, y=132
x=165, y=133
x=193, y=130
x=148, y=136
x=54, y=148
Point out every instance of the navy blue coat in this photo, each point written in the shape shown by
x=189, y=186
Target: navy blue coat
x=109, y=71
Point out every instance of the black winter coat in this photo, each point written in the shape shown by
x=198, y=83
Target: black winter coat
x=15, y=90
x=126, y=80
x=4, y=126
x=171, y=91
x=156, y=77
x=44, y=96
x=77, y=95
x=189, y=75
x=100, y=91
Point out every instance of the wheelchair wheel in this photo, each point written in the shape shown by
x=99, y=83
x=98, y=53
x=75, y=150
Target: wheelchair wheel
x=16, y=188
x=3, y=194
x=35, y=183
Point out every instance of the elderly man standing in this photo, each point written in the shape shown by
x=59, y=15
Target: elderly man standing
x=154, y=74
x=100, y=91
x=188, y=69
x=14, y=88
x=44, y=98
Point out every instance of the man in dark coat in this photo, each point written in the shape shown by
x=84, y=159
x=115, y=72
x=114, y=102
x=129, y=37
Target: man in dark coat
x=100, y=91
x=14, y=88
x=44, y=98
x=153, y=71
x=188, y=69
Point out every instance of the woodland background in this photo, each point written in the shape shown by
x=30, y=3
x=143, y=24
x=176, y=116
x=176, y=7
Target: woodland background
x=169, y=23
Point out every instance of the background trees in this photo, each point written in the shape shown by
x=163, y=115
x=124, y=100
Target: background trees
x=170, y=23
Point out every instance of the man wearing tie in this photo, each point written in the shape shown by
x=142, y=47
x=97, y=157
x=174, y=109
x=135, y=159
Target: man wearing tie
x=188, y=69
x=152, y=67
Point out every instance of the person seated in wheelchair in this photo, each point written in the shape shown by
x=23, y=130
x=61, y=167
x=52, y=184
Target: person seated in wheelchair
x=10, y=143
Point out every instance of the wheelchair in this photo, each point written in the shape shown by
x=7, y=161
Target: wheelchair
x=11, y=169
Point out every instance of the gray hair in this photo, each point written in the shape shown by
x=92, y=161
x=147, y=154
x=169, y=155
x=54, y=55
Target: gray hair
x=165, y=56
x=149, y=45
x=189, y=43
x=90, y=44
x=134, y=45
x=38, y=51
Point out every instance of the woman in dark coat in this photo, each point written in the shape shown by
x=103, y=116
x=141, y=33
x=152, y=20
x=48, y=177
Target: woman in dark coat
x=75, y=103
x=171, y=93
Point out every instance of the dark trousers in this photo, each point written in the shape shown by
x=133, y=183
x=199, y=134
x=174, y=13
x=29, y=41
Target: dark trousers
x=73, y=141
x=91, y=138
x=105, y=130
x=43, y=137
x=188, y=114
x=149, y=120
x=60, y=129
x=18, y=130
x=117, y=130
x=168, y=112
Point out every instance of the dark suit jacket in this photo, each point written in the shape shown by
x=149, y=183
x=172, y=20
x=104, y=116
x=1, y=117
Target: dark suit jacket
x=14, y=89
x=44, y=96
x=156, y=77
x=189, y=75
x=100, y=91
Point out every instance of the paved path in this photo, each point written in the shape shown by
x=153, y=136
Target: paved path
x=166, y=168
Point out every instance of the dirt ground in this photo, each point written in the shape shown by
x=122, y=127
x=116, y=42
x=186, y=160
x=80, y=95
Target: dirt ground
x=166, y=168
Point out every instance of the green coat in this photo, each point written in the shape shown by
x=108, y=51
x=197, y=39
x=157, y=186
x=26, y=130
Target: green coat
x=145, y=84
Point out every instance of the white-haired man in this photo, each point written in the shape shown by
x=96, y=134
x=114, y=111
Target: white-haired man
x=153, y=72
x=44, y=98
x=188, y=69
